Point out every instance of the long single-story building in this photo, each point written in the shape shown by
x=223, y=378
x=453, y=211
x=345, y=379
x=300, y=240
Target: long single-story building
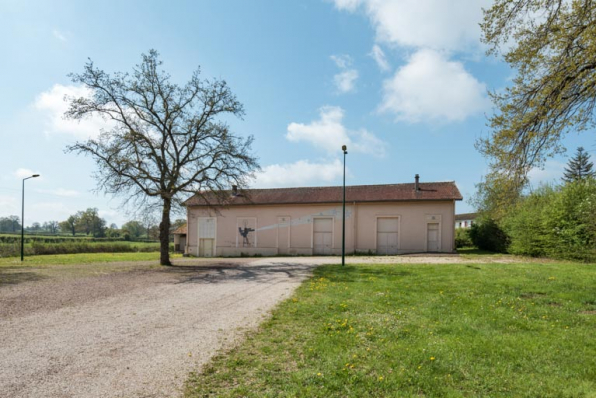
x=380, y=219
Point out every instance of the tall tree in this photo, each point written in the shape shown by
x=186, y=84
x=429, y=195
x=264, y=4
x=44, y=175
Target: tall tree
x=579, y=167
x=70, y=224
x=552, y=46
x=167, y=140
x=51, y=226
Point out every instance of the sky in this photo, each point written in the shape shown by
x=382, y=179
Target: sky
x=403, y=83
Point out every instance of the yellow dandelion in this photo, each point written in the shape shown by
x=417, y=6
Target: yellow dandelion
x=381, y=378
x=432, y=358
x=319, y=374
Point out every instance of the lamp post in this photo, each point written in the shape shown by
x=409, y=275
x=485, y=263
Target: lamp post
x=23, y=217
x=343, y=221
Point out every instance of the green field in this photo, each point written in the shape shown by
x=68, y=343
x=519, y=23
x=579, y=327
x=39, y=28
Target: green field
x=473, y=330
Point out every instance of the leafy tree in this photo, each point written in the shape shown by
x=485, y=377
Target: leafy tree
x=134, y=229
x=51, y=226
x=167, y=140
x=579, y=167
x=89, y=222
x=70, y=224
x=10, y=224
x=552, y=46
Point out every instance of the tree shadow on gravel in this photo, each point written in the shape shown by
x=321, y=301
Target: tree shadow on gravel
x=229, y=272
x=14, y=278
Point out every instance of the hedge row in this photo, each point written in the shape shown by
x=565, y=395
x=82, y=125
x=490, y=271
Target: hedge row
x=40, y=248
x=59, y=239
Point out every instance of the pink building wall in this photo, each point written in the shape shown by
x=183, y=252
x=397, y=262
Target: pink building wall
x=289, y=229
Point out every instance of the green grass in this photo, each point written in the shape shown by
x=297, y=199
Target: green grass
x=472, y=330
x=80, y=258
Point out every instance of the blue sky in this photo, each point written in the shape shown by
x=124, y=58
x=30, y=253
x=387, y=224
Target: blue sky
x=403, y=83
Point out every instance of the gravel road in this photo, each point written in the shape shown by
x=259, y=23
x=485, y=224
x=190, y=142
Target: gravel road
x=136, y=331
x=132, y=334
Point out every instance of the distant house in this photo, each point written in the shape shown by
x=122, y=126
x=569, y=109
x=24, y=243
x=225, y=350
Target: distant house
x=381, y=219
x=465, y=220
x=180, y=238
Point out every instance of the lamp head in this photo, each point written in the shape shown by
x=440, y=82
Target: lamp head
x=344, y=148
x=35, y=175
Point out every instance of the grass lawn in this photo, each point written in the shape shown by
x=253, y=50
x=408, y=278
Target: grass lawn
x=492, y=330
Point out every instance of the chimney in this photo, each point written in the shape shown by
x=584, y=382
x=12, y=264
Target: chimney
x=234, y=190
x=417, y=185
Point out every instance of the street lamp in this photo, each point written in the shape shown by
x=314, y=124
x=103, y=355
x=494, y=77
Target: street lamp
x=343, y=221
x=23, y=218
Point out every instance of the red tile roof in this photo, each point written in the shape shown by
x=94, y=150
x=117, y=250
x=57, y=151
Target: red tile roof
x=181, y=230
x=429, y=191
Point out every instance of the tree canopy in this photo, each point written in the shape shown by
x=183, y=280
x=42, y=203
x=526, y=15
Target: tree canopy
x=579, y=167
x=166, y=139
x=551, y=44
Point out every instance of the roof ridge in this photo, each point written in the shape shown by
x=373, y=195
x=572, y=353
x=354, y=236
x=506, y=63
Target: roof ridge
x=354, y=186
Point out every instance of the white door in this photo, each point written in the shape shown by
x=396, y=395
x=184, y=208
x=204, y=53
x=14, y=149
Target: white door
x=432, y=236
x=322, y=235
x=387, y=230
x=207, y=228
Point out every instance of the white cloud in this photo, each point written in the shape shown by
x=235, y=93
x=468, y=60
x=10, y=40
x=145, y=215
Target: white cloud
x=59, y=35
x=52, y=105
x=300, y=173
x=551, y=172
x=438, y=24
x=9, y=205
x=24, y=173
x=70, y=193
x=345, y=80
x=430, y=86
x=329, y=134
x=379, y=57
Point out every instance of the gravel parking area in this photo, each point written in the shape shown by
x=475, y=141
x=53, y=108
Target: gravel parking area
x=137, y=333
x=131, y=334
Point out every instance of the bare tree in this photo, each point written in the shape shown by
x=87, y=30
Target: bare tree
x=167, y=140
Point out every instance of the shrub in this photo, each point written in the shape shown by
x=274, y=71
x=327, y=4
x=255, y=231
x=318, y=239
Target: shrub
x=487, y=235
x=525, y=224
x=462, y=238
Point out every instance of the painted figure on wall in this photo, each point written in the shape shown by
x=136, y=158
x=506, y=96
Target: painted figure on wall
x=245, y=232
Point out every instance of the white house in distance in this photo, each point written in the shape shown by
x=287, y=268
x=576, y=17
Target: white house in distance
x=380, y=219
x=465, y=220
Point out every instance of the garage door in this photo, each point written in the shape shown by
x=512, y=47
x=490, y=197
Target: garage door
x=387, y=229
x=322, y=235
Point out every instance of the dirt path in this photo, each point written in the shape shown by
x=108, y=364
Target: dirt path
x=136, y=331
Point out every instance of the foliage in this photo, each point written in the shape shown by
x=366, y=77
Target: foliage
x=462, y=238
x=552, y=46
x=164, y=140
x=525, y=223
x=486, y=234
x=409, y=330
x=579, y=167
x=134, y=229
x=10, y=224
x=556, y=222
x=80, y=246
x=496, y=195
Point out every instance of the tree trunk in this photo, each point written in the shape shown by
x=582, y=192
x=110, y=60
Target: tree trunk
x=164, y=233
